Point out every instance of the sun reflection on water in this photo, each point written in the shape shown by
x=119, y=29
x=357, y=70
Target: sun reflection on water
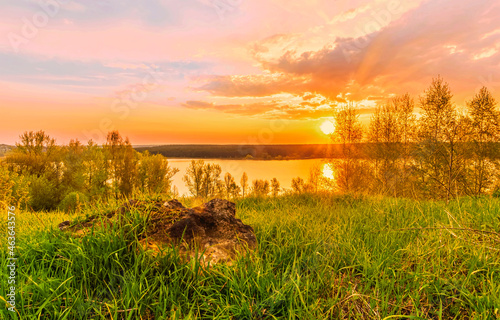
x=327, y=171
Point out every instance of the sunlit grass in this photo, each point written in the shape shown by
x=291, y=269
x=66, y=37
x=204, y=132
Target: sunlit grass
x=319, y=257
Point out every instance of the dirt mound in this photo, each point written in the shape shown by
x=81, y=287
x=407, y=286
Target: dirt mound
x=212, y=228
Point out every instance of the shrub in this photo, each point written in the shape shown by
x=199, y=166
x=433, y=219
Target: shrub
x=44, y=194
x=73, y=201
x=6, y=185
x=20, y=190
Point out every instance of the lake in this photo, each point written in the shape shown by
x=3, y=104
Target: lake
x=283, y=170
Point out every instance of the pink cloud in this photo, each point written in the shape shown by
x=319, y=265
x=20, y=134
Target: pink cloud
x=402, y=57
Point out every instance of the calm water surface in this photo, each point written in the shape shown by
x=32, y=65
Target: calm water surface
x=283, y=170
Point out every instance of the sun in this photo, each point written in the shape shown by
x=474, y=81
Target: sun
x=327, y=127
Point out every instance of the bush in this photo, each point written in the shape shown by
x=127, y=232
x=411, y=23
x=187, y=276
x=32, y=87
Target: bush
x=20, y=190
x=44, y=194
x=73, y=201
x=6, y=185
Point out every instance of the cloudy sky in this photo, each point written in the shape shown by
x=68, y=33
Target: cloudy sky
x=230, y=71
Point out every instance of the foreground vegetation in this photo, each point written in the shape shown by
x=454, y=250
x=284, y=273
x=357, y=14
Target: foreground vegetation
x=319, y=257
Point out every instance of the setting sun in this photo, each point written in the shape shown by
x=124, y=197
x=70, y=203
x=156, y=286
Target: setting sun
x=327, y=127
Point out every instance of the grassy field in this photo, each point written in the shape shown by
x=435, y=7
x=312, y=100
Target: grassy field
x=319, y=257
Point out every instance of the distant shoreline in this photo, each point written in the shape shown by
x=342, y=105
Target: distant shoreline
x=247, y=152
x=253, y=152
x=236, y=152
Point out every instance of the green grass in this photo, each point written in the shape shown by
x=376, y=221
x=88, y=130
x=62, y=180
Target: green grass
x=319, y=257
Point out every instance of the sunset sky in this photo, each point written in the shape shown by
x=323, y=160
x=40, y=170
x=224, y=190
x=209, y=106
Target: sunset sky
x=230, y=71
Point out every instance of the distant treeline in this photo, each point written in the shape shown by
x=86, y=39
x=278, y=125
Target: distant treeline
x=272, y=152
x=266, y=152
